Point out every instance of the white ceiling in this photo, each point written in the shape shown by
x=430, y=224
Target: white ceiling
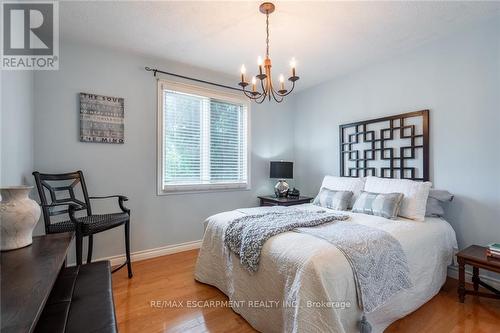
x=326, y=38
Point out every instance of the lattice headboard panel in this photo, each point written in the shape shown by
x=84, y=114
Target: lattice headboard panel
x=389, y=147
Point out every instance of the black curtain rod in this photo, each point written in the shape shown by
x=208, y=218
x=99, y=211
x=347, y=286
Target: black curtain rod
x=155, y=71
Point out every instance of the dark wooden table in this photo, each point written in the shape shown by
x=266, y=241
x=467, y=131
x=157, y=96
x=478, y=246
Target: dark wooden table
x=28, y=275
x=271, y=200
x=476, y=257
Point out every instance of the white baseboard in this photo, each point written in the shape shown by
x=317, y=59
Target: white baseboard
x=153, y=253
x=453, y=273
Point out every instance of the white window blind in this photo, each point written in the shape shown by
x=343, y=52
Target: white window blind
x=204, y=139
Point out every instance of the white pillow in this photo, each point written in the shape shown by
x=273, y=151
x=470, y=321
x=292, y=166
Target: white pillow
x=354, y=185
x=415, y=194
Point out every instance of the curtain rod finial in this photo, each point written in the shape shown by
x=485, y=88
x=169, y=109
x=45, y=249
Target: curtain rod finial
x=154, y=70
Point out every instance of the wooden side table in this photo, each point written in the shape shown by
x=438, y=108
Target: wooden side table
x=476, y=257
x=271, y=200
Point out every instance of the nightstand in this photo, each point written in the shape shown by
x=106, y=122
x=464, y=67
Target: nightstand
x=475, y=256
x=271, y=200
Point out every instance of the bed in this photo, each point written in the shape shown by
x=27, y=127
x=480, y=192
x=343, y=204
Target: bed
x=306, y=284
x=296, y=268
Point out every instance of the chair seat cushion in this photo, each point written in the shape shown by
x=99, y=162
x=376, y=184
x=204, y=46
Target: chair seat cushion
x=91, y=224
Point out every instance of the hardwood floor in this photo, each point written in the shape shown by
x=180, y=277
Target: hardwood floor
x=170, y=278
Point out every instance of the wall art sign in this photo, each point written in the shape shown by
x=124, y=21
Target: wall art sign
x=101, y=118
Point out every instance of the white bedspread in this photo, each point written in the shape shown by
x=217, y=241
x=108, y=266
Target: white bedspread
x=303, y=283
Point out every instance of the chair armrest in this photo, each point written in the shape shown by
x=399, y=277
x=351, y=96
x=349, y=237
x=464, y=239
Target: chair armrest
x=121, y=199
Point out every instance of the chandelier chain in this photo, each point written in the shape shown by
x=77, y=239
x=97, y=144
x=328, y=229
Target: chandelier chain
x=267, y=34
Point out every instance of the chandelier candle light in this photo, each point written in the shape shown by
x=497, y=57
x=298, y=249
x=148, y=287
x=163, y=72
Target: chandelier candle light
x=266, y=81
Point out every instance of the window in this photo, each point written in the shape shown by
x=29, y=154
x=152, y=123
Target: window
x=203, y=139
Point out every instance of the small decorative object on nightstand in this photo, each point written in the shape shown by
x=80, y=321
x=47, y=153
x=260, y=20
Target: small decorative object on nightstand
x=281, y=170
x=476, y=257
x=294, y=193
x=271, y=200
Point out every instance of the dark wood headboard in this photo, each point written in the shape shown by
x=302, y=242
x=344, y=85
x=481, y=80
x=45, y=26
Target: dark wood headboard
x=389, y=147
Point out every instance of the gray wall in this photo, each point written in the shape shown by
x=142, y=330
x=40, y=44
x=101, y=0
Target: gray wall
x=16, y=127
x=130, y=168
x=458, y=79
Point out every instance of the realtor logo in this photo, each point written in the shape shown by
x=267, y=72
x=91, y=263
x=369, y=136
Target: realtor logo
x=30, y=35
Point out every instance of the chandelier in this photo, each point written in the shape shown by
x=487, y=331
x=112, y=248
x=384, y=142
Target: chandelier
x=266, y=88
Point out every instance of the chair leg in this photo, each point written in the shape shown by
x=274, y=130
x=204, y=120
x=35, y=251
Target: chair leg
x=89, y=251
x=78, y=241
x=127, y=248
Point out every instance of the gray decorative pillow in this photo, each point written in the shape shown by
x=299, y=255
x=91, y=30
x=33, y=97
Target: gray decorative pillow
x=435, y=202
x=379, y=204
x=433, y=207
x=337, y=200
x=440, y=195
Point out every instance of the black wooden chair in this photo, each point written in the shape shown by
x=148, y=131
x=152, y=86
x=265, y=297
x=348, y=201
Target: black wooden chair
x=82, y=226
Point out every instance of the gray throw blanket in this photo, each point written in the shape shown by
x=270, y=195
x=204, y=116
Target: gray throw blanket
x=377, y=259
x=245, y=236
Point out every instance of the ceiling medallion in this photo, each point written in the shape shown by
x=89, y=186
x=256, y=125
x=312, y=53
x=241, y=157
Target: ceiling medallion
x=266, y=88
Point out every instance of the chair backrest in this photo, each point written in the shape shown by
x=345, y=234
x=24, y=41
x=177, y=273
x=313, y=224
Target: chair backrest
x=54, y=184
